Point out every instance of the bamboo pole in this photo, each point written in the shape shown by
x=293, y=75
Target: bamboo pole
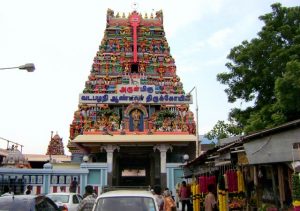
x=281, y=186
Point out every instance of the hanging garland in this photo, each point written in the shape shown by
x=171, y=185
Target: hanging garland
x=202, y=189
x=240, y=177
x=221, y=193
x=236, y=189
x=296, y=190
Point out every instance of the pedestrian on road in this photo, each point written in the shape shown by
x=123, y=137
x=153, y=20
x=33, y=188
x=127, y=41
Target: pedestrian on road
x=210, y=199
x=28, y=190
x=88, y=202
x=158, y=197
x=73, y=186
x=184, y=196
x=95, y=195
x=169, y=203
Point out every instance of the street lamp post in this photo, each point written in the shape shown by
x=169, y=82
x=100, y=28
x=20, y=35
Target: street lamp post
x=29, y=67
x=198, y=146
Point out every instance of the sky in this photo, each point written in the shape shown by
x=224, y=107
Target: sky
x=62, y=37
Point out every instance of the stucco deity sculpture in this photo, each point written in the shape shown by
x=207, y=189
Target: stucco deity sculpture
x=136, y=116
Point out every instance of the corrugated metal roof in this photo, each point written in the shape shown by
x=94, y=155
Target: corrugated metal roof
x=229, y=140
x=273, y=130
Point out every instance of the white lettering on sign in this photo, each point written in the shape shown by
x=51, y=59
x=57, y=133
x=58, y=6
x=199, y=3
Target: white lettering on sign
x=140, y=97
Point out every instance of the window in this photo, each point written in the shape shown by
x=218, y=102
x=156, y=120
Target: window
x=126, y=203
x=61, y=198
x=45, y=205
x=75, y=200
x=79, y=197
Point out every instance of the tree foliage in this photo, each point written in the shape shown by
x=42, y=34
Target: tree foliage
x=287, y=90
x=266, y=72
x=223, y=130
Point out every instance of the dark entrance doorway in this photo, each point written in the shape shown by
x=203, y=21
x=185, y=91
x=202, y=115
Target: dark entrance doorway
x=133, y=166
x=134, y=171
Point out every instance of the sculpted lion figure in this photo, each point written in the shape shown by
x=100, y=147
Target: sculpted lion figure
x=159, y=15
x=109, y=14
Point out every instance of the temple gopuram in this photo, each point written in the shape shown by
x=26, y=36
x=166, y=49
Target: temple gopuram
x=133, y=124
x=56, y=146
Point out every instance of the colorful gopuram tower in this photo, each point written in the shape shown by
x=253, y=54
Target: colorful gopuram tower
x=56, y=146
x=133, y=115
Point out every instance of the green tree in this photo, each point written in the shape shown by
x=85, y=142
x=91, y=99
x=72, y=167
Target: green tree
x=287, y=90
x=265, y=71
x=223, y=130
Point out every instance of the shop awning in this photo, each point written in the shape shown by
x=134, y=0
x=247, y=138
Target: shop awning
x=273, y=149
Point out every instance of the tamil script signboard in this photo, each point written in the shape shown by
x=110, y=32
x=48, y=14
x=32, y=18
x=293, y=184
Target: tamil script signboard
x=127, y=94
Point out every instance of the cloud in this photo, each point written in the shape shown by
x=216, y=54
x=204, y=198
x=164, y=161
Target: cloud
x=188, y=68
x=219, y=38
x=221, y=60
x=182, y=13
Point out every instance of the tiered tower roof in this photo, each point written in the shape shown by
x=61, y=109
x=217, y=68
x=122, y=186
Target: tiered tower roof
x=133, y=87
x=56, y=146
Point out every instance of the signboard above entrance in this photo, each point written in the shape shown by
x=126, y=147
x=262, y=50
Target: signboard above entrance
x=131, y=98
x=127, y=94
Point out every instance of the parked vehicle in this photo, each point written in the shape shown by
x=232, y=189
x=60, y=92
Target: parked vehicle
x=27, y=203
x=126, y=200
x=66, y=201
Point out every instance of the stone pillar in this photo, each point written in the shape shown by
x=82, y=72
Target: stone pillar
x=163, y=148
x=46, y=183
x=110, y=153
x=83, y=183
x=47, y=179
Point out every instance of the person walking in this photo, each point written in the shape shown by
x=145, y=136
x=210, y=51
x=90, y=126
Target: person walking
x=169, y=203
x=184, y=196
x=158, y=197
x=73, y=186
x=88, y=202
x=210, y=199
x=95, y=195
x=28, y=190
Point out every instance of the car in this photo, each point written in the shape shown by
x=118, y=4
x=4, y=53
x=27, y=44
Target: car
x=27, y=203
x=126, y=200
x=66, y=201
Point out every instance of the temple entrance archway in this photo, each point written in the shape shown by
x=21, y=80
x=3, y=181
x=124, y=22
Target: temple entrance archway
x=136, y=167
